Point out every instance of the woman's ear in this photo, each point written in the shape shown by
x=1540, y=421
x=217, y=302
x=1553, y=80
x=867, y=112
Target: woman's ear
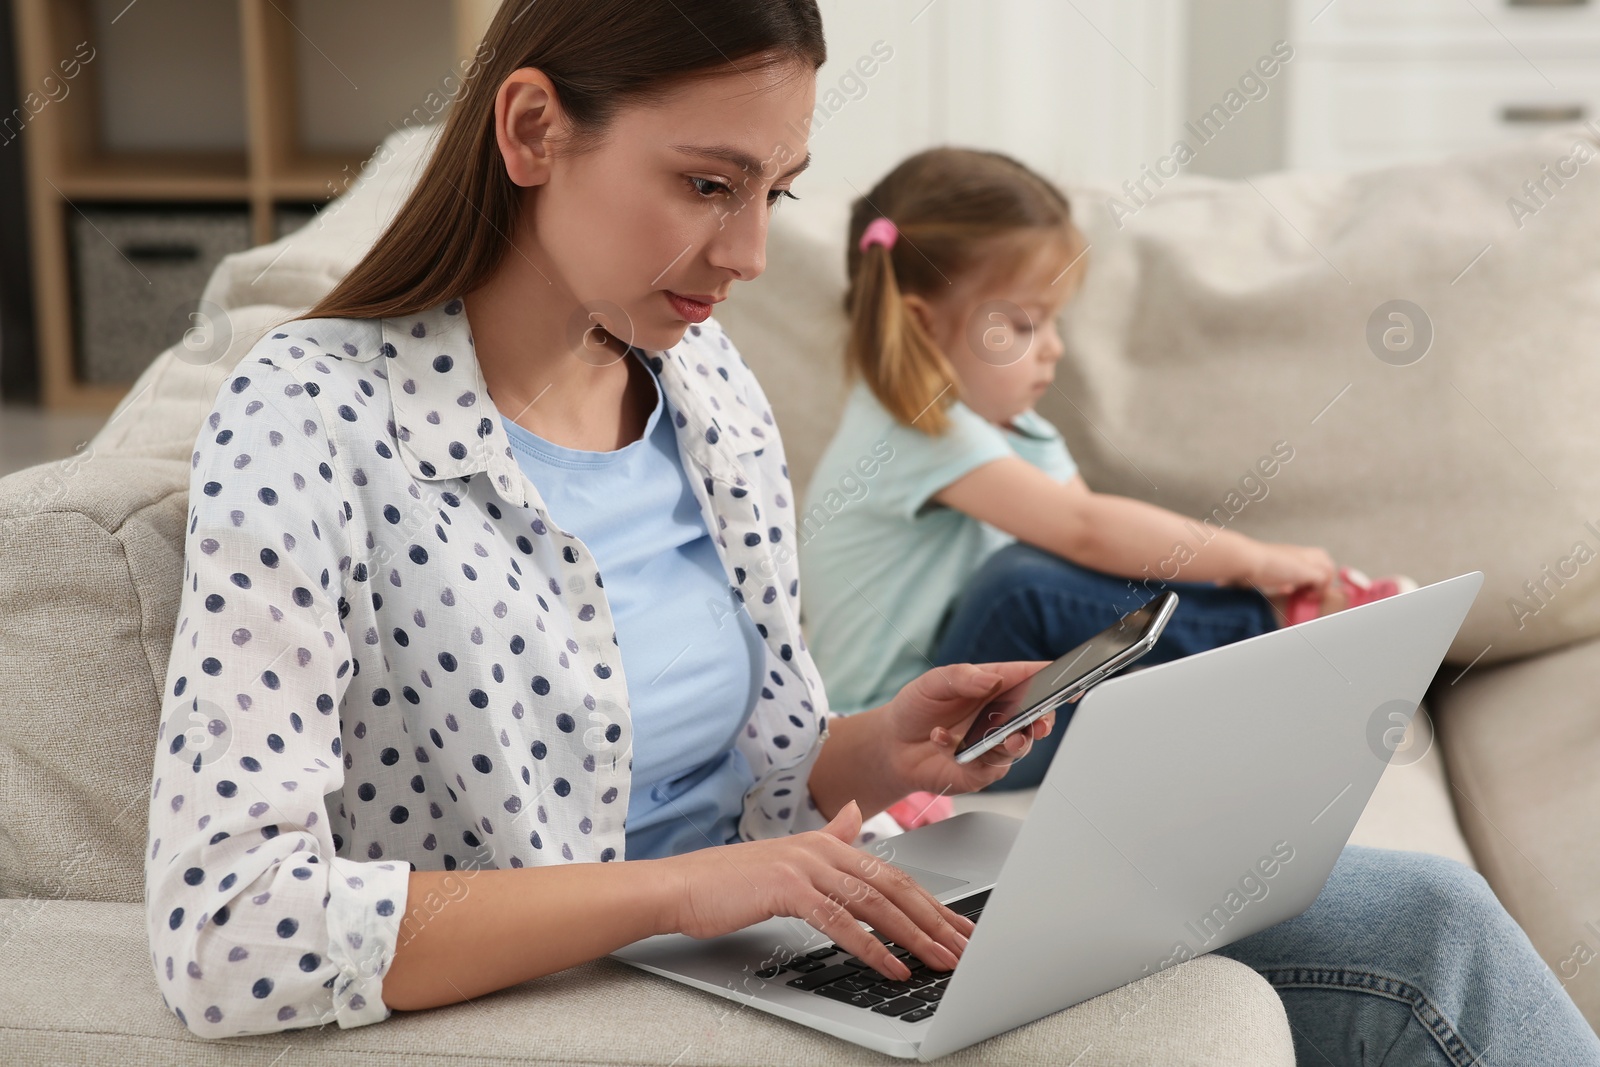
x=526, y=110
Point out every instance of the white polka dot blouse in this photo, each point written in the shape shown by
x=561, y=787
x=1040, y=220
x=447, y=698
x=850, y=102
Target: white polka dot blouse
x=388, y=656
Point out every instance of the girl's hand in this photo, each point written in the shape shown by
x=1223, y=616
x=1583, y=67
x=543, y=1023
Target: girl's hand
x=820, y=877
x=1281, y=569
x=930, y=716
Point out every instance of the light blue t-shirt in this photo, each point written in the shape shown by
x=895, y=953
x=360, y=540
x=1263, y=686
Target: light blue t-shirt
x=691, y=655
x=881, y=562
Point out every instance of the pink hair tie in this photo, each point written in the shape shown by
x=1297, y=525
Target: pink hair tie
x=880, y=231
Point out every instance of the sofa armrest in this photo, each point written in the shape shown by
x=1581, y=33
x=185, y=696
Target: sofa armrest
x=88, y=604
x=1521, y=742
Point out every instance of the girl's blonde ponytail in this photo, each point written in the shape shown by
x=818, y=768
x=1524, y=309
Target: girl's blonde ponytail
x=888, y=348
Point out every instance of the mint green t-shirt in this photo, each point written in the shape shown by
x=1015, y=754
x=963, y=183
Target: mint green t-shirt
x=880, y=561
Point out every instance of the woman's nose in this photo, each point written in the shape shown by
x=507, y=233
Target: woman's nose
x=740, y=243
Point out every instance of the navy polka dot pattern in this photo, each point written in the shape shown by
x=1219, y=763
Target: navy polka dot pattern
x=389, y=657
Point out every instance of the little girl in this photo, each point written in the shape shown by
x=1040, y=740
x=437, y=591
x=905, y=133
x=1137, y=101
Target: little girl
x=975, y=539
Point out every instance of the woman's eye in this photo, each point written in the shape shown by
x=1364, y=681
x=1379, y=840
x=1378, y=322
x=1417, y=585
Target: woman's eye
x=700, y=183
x=715, y=187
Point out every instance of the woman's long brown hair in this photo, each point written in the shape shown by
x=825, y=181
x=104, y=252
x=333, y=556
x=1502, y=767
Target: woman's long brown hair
x=453, y=229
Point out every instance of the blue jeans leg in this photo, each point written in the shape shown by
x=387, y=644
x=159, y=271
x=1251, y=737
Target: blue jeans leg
x=1026, y=603
x=1409, y=959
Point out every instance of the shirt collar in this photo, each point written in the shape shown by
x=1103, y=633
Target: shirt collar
x=448, y=427
x=1031, y=424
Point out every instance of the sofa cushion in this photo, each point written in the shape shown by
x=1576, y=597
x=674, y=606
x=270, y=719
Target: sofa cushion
x=88, y=601
x=76, y=981
x=1413, y=807
x=1523, y=742
x=1222, y=317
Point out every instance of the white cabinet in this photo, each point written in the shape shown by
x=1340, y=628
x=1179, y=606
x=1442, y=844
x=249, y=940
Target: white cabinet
x=1386, y=81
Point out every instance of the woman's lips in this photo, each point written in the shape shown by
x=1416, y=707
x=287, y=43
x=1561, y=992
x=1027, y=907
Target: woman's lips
x=687, y=309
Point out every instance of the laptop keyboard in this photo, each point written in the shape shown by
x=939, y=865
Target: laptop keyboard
x=832, y=972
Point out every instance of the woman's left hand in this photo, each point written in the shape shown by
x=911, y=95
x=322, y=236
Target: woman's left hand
x=930, y=715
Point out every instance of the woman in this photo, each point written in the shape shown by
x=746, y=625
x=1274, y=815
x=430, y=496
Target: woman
x=401, y=750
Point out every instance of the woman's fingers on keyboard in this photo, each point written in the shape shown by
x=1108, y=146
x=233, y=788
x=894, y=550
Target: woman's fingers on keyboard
x=943, y=928
x=852, y=886
x=909, y=916
x=834, y=919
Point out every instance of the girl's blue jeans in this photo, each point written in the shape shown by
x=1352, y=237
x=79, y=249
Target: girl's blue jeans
x=1404, y=958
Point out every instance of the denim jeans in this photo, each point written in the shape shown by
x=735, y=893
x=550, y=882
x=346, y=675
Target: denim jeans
x=1409, y=959
x=1025, y=603
x=1404, y=958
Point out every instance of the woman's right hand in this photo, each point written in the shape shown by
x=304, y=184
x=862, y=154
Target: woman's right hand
x=820, y=877
x=1281, y=569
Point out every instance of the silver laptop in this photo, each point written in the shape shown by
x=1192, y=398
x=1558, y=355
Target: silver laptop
x=1189, y=804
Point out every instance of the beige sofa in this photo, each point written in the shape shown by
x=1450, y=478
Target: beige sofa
x=1210, y=327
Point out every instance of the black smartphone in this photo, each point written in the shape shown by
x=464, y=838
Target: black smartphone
x=1067, y=678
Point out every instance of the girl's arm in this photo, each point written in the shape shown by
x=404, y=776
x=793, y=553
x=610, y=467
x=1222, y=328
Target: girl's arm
x=1112, y=534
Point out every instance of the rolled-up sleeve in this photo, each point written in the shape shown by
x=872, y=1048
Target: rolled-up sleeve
x=791, y=787
x=255, y=923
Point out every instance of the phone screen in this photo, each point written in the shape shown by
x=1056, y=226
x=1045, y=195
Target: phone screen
x=1028, y=694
